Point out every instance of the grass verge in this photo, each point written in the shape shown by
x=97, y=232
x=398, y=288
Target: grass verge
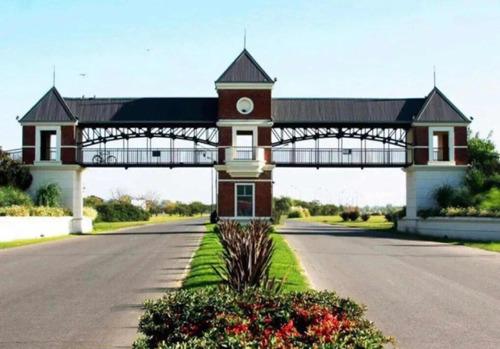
x=24, y=242
x=201, y=273
x=379, y=223
x=161, y=218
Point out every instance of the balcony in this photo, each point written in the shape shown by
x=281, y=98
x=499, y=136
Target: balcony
x=245, y=161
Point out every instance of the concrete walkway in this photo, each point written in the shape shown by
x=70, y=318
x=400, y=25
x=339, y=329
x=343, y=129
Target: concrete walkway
x=426, y=294
x=87, y=291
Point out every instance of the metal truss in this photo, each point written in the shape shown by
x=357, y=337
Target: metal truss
x=98, y=135
x=394, y=136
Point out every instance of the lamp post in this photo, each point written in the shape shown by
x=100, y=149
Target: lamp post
x=205, y=155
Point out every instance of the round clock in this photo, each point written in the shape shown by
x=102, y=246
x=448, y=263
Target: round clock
x=244, y=105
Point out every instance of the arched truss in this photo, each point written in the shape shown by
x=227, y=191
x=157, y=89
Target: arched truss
x=98, y=135
x=394, y=136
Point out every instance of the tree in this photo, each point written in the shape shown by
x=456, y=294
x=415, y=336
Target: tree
x=197, y=207
x=119, y=196
x=182, y=209
x=283, y=204
x=483, y=155
x=93, y=201
x=12, y=173
x=169, y=208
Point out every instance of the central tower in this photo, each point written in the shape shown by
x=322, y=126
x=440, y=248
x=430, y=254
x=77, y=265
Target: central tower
x=244, y=123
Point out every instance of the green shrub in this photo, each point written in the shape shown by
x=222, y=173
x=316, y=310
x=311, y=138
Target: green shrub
x=354, y=214
x=90, y=212
x=276, y=217
x=48, y=195
x=492, y=182
x=15, y=211
x=444, y=195
x=365, y=216
x=298, y=212
x=10, y=196
x=394, y=215
x=120, y=212
x=92, y=201
x=475, y=180
x=211, y=318
x=12, y=173
x=491, y=200
x=46, y=211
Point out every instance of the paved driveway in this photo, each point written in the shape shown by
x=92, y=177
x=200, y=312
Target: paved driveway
x=86, y=291
x=426, y=294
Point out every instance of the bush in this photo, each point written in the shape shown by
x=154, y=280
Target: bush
x=15, y=211
x=365, y=216
x=490, y=200
x=246, y=253
x=298, y=212
x=12, y=173
x=212, y=318
x=354, y=214
x=475, y=180
x=48, y=195
x=276, y=217
x=11, y=196
x=344, y=215
x=90, y=212
x=394, y=215
x=92, y=201
x=120, y=212
x=45, y=211
x=214, y=217
x=444, y=195
x=458, y=212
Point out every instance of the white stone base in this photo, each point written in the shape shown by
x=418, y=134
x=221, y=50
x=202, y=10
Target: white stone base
x=15, y=228
x=467, y=228
x=421, y=181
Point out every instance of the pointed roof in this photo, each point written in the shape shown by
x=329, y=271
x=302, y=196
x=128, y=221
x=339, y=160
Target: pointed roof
x=438, y=108
x=50, y=108
x=245, y=69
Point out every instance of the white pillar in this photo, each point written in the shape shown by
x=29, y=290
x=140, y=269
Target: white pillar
x=69, y=178
x=421, y=182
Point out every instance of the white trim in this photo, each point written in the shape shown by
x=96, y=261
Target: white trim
x=29, y=146
x=244, y=85
x=38, y=141
x=255, y=134
x=440, y=124
x=53, y=165
x=243, y=100
x=244, y=180
x=265, y=168
x=462, y=146
x=69, y=146
x=66, y=123
x=451, y=145
x=236, y=199
x=437, y=167
x=252, y=122
x=420, y=146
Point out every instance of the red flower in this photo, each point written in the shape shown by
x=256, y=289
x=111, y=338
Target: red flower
x=237, y=329
x=190, y=330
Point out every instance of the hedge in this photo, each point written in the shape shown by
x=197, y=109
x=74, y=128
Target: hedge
x=220, y=318
x=10, y=196
x=120, y=212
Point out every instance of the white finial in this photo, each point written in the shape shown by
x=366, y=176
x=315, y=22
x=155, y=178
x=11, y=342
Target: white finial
x=245, y=39
x=434, y=76
x=54, y=76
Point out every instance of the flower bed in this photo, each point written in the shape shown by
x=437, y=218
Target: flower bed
x=214, y=318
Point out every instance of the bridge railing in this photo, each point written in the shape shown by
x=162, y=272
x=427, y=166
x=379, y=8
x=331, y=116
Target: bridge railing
x=340, y=157
x=15, y=154
x=137, y=157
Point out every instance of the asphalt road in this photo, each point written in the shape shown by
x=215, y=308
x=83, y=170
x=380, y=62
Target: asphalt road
x=87, y=291
x=426, y=294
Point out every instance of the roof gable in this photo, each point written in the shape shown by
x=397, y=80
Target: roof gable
x=245, y=69
x=438, y=108
x=50, y=108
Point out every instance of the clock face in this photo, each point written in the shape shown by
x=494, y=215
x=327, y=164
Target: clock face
x=244, y=105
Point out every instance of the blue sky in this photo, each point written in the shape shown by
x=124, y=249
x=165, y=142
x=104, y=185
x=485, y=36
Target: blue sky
x=314, y=48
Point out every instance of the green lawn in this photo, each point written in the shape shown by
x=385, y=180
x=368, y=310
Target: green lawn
x=374, y=223
x=23, y=242
x=284, y=261
x=379, y=223
x=161, y=218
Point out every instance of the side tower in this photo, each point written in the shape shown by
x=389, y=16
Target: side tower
x=49, y=150
x=244, y=122
x=439, y=137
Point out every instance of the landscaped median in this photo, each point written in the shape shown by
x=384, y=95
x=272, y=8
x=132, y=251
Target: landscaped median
x=257, y=298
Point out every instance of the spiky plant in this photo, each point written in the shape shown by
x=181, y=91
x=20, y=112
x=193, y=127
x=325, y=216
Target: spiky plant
x=247, y=253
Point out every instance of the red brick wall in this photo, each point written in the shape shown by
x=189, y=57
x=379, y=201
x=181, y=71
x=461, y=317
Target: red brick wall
x=68, y=135
x=29, y=135
x=68, y=155
x=261, y=100
x=263, y=175
x=263, y=199
x=460, y=136
x=421, y=135
x=226, y=199
x=421, y=156
x=461, y=156
x=28, y=155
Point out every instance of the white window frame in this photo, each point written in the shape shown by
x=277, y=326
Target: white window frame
x=38, y=141
x=236, y=185
x=451, y=145
x=255, y=134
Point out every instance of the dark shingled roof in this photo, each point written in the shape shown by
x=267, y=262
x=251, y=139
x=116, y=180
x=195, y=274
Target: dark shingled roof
x=438, y=108
x=164, y=111
x=50, y=108
x=343, y=110
x=245, y=69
